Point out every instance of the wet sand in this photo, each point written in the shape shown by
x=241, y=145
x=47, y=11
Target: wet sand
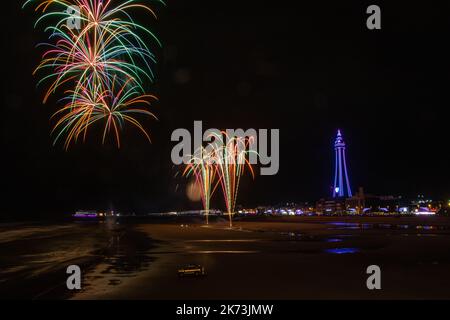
x=292, y=258
x=34, y=256
x=260, y=258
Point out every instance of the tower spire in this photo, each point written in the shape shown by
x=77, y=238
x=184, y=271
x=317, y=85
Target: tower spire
x=340, y=169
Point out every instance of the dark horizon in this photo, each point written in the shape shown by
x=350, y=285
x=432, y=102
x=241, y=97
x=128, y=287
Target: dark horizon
x=308, y=71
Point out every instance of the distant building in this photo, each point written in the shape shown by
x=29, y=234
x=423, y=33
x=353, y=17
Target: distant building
x=422, y=205
x=369, y=203
x=341, y=186
x=331, y=206
x=86, y=214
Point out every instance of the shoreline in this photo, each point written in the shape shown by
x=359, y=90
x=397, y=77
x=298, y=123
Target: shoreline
x=270, y=258
x=295, y=255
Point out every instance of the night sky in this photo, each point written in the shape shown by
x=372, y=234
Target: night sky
x=305, y=69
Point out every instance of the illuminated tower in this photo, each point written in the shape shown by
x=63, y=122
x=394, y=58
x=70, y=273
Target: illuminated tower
x=340, y=169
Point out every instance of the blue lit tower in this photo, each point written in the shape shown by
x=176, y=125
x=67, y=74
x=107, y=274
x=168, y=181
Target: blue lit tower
x=340, y=169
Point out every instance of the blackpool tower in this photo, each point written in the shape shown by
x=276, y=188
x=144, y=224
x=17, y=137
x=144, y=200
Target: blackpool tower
x=340, y=169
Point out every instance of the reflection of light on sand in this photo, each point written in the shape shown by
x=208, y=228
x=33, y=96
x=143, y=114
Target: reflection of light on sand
x=223, y=251
x=12, y=235
x=226, y=240
x=342, y=250
x=14, y=269
x=40, y=263
x=226, y=228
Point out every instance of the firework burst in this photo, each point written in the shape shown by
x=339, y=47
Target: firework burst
x=202, y=167
x=221, y=164
x=105, y=59
x=90, y=105
x=232, y=160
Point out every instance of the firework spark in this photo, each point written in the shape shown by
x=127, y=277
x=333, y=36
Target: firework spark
x=202, y=166
x=103, y=54
x=89, y=105
x=221, y=164
x=232, y=159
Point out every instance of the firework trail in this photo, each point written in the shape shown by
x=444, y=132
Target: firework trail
x=202, y=166
x=231, y=161
x=100, y=59
x=90, y=105
x=221, y=164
